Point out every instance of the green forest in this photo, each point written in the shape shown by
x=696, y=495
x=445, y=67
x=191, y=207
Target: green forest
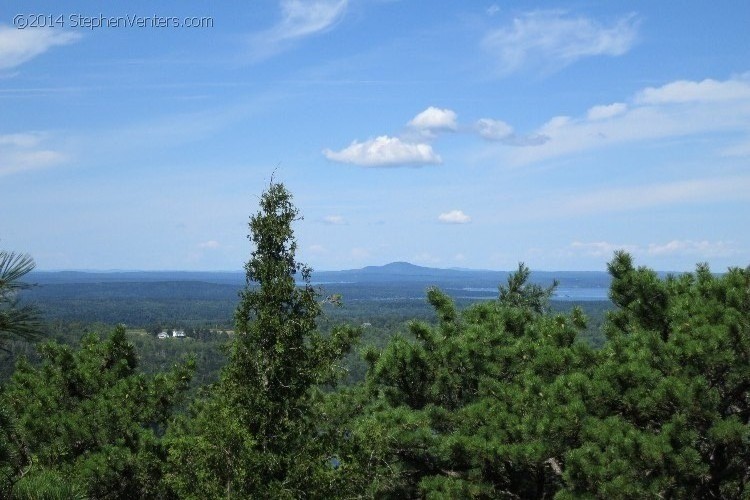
x=296, y=396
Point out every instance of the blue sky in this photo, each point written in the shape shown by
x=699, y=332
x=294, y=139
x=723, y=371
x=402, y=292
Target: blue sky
x=453, y=134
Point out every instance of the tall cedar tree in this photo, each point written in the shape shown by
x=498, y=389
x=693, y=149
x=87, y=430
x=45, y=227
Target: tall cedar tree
x=258, y=434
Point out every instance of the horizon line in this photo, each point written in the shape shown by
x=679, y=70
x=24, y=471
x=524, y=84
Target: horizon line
x=241, y=271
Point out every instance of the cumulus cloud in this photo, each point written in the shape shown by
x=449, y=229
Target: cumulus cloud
x=411, y=148
x=433, y=119
x=334, y=220
x=499, y=131
x=493, y=130
x=299, y=19
x=708, y=106
x=606, y=111
x=19, y=46
x=454, y=217
x=385, y=151
x=551, y=40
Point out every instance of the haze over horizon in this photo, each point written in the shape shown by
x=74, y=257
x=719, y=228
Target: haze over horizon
x=376, y=267
x=470, y=135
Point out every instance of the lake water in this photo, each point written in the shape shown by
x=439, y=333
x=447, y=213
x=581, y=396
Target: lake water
x=562, y=293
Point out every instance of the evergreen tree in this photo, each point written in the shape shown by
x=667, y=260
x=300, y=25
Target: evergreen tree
x=669, y=402
x=16, y=321
x=87, y=419
x=495, y=401
x=467, y=408
x=259, y=432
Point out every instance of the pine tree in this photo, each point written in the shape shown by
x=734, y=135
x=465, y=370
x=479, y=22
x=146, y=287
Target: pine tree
x=87, y=419
x=669, y=399
x=16, y=321
x=471, y=407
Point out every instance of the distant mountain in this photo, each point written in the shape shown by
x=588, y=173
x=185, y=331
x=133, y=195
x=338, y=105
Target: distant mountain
x=404, y=268
x=404, y=272
x=390, y=281
x=393, y=273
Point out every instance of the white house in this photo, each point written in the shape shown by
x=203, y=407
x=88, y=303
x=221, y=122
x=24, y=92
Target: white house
x=163, y=335
x=178, y=333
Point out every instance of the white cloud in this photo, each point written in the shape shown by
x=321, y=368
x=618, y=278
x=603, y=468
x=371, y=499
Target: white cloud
x=606, y=111
x=493, y=130
x=24, y=152
x=556, y=123
x=454, y=217
x=708, y=90
x=335, y=220
x=499, y=131
x=19, y=46
x=713, y=107
x=646, y=118
x=210, y=244
x=303, y=18
x=434, y=118
x=551, y=40
x=299, y=19
x=385, y=151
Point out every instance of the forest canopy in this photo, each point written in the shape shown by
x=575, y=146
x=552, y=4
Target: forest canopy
x=500, y=399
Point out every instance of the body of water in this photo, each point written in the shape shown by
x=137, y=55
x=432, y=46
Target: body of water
x=561, y=293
